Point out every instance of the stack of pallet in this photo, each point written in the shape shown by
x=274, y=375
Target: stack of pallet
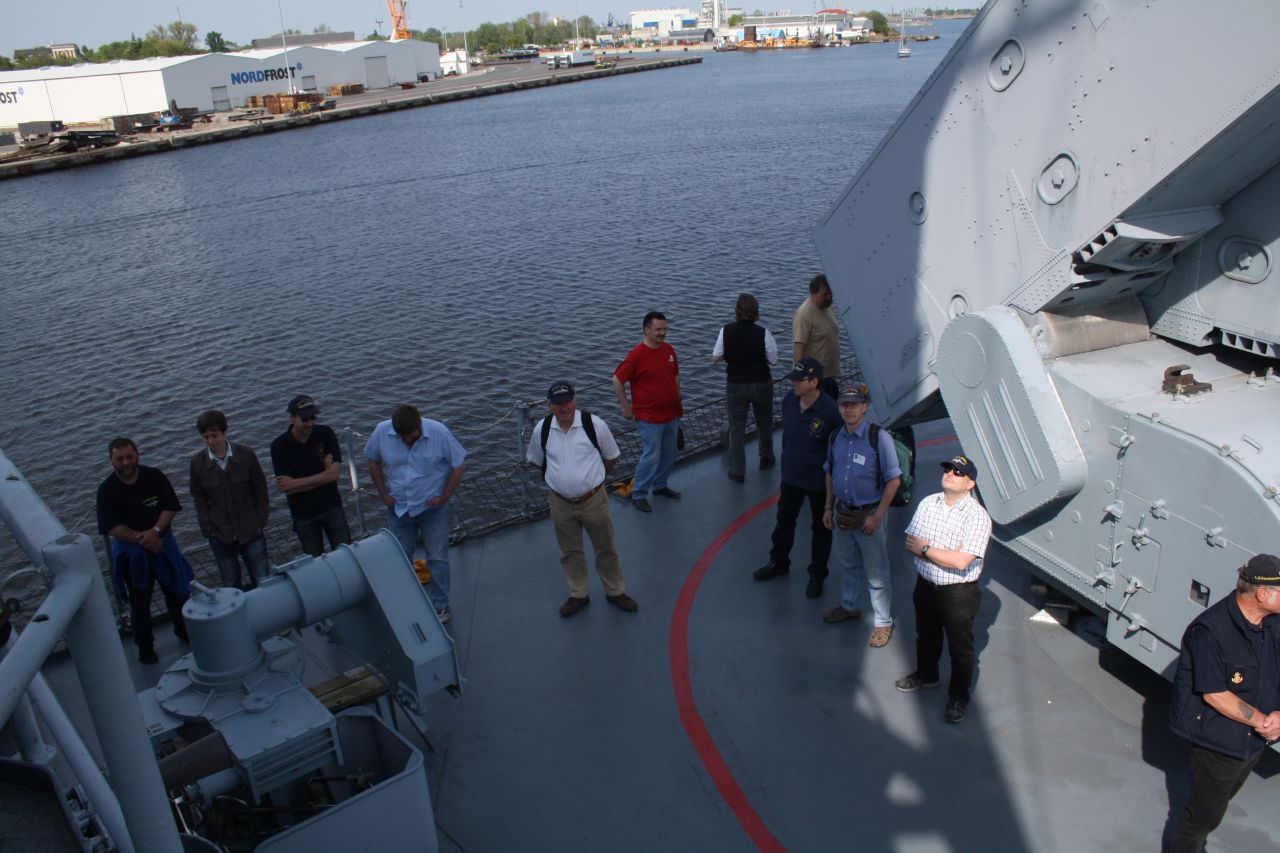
x=346, y=89
x=281, y=104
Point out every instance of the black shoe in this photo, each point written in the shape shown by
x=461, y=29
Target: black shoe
x=623, y=602
x=667, y=492
x=147, y=654
x=955, y=711
x=573, y=605
x=766, y=464
x=911, y=683
x=737, y=478
x=814, y=588
x=770, y=570
x=643, y=505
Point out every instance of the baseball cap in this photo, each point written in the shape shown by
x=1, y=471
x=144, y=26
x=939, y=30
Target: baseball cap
x=303, y=406
x=854, y=394
x=560, y=392
x=1262, y=570
x=806, y=368
x=962, y=465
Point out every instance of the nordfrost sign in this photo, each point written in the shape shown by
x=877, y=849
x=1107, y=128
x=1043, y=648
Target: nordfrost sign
x=263, y=75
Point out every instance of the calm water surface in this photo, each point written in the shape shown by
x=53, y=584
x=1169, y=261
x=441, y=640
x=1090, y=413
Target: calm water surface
x=460, y=257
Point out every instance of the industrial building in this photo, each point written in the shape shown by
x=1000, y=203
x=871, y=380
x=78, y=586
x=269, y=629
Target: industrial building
x=90, y=92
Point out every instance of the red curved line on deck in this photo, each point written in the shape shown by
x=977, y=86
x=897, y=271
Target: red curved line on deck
x=694, y=727
x=682, y=682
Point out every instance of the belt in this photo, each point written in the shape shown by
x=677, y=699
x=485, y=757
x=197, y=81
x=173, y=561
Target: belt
x=846, y=507
x=930, y=583
x=588, y=496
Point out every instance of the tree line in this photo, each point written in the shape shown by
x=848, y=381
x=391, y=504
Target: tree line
x=179, y=38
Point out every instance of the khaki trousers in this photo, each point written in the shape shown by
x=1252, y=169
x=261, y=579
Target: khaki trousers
x=570, y=520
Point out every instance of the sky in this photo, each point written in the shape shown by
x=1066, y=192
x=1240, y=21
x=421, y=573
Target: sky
x=93, y=22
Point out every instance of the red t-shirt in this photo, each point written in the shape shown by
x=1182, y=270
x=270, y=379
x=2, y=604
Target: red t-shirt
x=652, y=372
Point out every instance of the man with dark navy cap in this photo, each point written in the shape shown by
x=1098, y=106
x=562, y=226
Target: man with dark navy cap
x=576, y=451
x=306, y=458
x=808, y=417
x=1226, y=696
x=948, y=538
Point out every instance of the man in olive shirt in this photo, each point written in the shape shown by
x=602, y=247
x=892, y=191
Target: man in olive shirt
x=815, y=333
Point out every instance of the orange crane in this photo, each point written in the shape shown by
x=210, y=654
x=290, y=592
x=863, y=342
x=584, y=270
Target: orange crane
x=399, y=20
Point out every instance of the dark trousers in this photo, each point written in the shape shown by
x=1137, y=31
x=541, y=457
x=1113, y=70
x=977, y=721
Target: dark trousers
x=1215, y=779
x=946, y=610
x=312, y=531
x=831, y=387
x=738, y=397
x=790, y=499
x=140, y=611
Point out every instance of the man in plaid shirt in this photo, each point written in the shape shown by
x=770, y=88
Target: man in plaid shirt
x=948, y=537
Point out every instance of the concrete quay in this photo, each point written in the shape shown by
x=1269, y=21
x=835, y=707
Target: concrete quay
x=490, y=80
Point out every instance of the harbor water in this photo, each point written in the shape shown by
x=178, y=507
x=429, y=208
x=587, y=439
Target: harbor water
x=460, y=257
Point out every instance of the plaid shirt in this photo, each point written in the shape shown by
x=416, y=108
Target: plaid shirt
x=964, y=527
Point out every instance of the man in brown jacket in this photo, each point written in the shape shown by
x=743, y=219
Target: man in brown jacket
x=230, y=494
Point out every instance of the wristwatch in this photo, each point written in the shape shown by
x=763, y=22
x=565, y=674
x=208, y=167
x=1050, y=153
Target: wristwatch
x=158, y=531
x=924, y=551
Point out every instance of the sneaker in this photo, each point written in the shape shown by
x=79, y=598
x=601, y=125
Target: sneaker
x=737, y=478
x=667, y=492
x=813, y=589
x=444, y=614
x=622, y=602
x=836, y=615
x=911, y=683
x=881, y=636
x=642, y=505
x=955, y=711
x=147, y=654
x=770, y=570
x=573, y=605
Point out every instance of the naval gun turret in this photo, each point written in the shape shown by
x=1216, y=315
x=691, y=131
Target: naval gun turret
x=1067, y=244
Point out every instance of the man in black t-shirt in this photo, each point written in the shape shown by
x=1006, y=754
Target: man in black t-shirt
x=136, y=506
x=306, y=459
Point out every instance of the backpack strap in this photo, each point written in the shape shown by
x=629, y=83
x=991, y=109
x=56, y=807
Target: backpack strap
x=873, y=433
x=588, y=426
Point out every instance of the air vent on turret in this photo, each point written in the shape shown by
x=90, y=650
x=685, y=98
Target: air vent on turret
x=1146, y=242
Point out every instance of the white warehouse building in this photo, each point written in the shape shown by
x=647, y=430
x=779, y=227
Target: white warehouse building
x=90, y=92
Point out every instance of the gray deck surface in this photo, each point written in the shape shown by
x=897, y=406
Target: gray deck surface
x=567, y=736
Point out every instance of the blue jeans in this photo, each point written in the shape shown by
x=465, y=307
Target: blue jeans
x=657, y=457
x=433, y=524
x=312, y=531
x=228, y=557
x=864, y=562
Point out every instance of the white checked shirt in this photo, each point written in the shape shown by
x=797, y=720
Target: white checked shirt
x=574, y=467
x=964, y=527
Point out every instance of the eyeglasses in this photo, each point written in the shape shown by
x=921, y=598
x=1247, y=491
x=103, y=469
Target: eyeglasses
x=309, y=420
x=955, y=472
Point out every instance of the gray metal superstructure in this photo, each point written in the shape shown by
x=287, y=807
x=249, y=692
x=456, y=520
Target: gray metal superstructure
x=1066, y=244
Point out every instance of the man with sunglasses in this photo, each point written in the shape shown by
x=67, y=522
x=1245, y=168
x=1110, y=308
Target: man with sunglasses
x=1226, y=696
x=306, y=459
x=948, y=538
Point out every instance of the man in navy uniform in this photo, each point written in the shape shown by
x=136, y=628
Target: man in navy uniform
x=1226, y=696
x=808, y=417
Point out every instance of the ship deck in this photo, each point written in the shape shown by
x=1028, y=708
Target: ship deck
x=726, y=715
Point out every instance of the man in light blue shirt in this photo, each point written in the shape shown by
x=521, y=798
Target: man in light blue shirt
x=416, y=464
x=861, y=483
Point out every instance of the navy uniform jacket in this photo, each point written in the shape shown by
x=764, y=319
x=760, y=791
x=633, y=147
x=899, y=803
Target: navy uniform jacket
x=1223, y=651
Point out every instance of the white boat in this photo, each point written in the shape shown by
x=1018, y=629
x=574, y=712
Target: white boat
x=904, y=52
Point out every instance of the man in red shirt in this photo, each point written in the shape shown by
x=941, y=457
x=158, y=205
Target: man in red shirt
x=654, y=373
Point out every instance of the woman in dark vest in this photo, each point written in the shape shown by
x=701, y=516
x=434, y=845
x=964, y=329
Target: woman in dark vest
x=747, y=349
